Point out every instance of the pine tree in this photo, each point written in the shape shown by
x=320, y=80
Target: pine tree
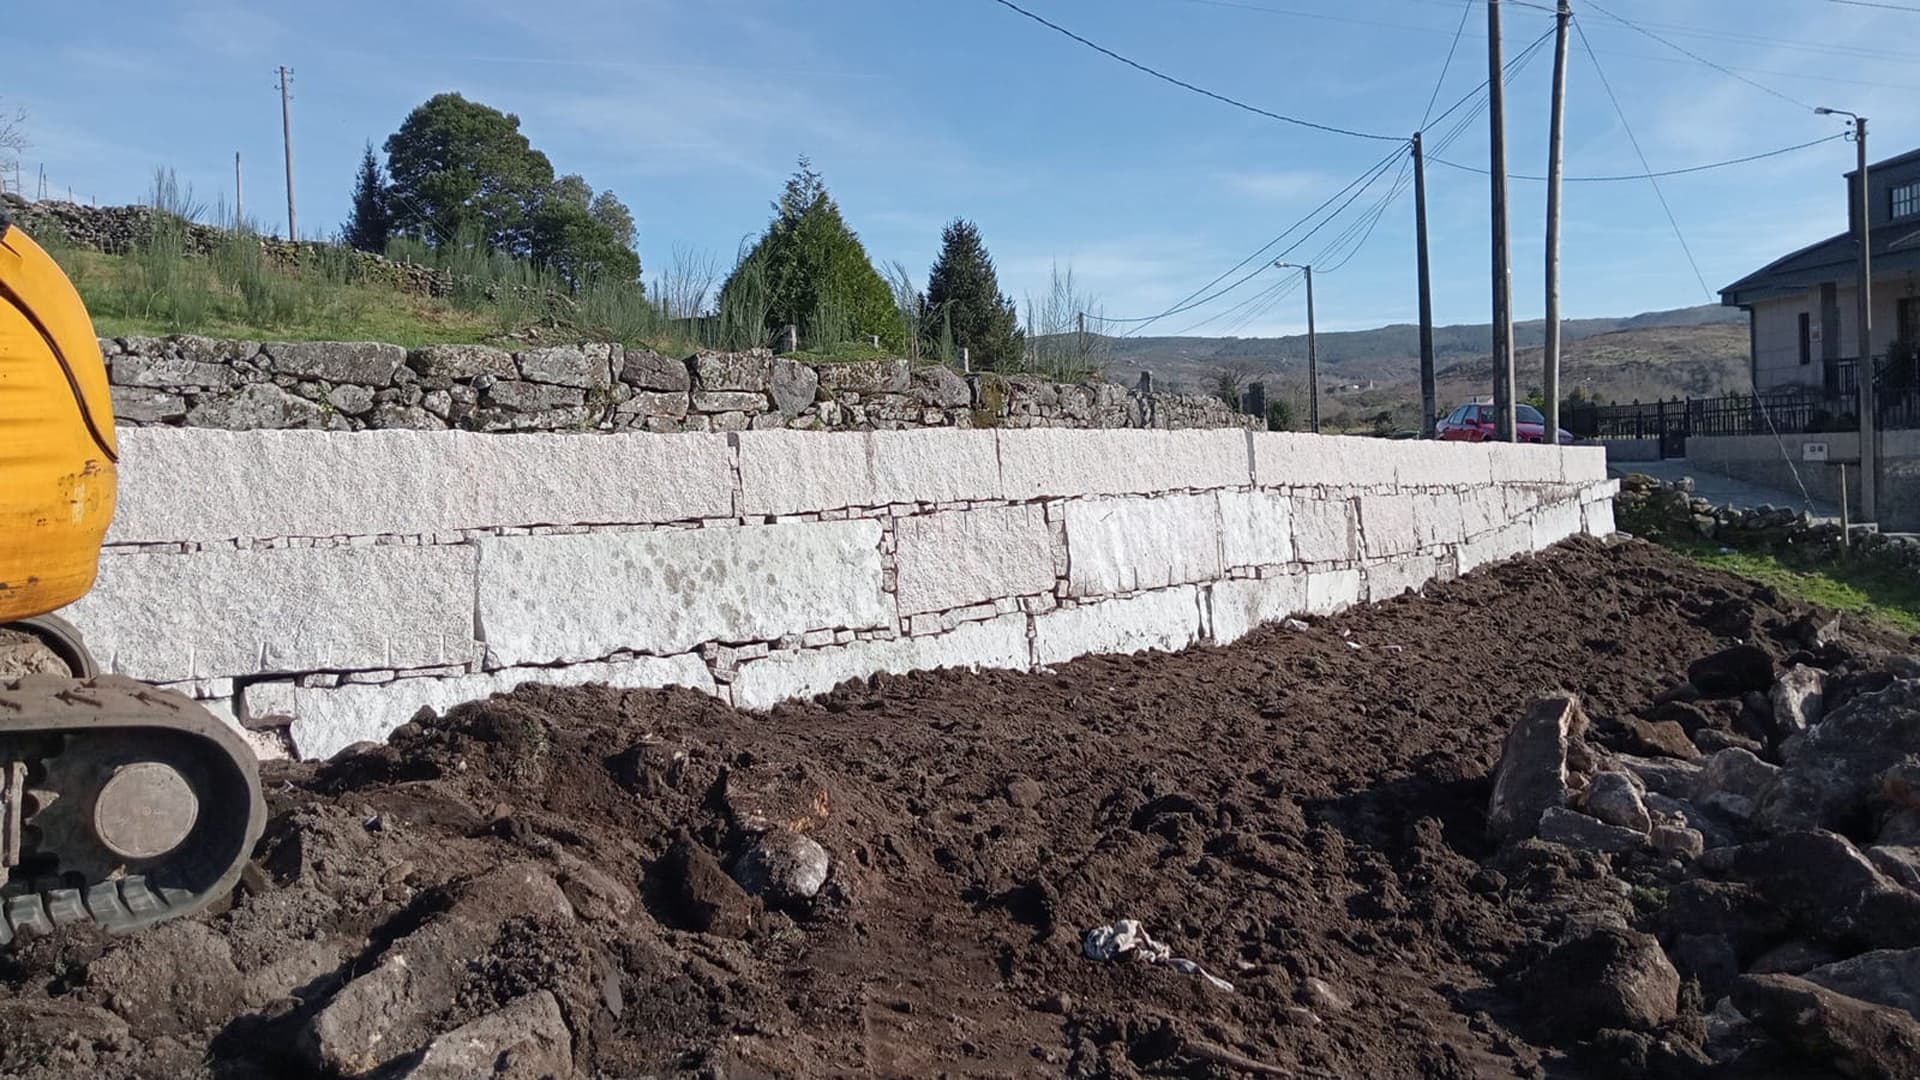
x=369, y=225
x=963, y=293
x=809, y=269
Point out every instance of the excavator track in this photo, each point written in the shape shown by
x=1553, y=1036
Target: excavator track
x=120, y=804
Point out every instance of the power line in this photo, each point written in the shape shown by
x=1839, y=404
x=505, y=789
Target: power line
x=1883, y=7
x=1184, y=305
x=1164, y=77
x=1683, y=50
x=1651, y=178
x=1650, y=175
x=1465, y=12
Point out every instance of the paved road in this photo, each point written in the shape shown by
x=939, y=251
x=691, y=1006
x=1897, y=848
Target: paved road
x=1722, y=491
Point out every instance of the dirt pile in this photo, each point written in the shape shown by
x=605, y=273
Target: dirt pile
x=550, y=882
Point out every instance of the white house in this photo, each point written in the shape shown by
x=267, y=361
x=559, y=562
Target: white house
x=1802, y=307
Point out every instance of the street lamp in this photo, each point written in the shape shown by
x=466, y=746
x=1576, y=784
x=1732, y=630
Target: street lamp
x=1313, y=358
x=1863, y=364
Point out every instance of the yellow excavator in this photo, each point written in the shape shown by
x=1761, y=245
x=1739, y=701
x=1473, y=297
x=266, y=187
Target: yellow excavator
x=121, y=804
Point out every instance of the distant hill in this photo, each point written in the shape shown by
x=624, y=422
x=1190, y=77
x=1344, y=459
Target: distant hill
x=1697, y=352
x=1387, y=352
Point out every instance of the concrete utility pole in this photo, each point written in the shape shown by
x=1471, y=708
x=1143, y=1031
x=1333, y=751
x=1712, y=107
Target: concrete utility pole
x=1556, y=153
x=1313, y=351
x=239, y=213
x=1502, y=261
x=1429, y=394
x=1080, y=340
x=1863, y=340
x=286, y=138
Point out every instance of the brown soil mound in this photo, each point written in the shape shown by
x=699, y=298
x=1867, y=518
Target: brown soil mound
x=1302, y=813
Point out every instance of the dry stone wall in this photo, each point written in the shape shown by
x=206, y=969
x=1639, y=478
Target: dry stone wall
x=188, y=381
x=334, y=583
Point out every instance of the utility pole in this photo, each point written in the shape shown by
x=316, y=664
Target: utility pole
x=1080, y=339
x=286, y=138
x=1556, y=153
x=1429, y=394
x=1313, y=350
x=1863, y=339
x=239, y=212
x=43, y=180
x=1502, y=261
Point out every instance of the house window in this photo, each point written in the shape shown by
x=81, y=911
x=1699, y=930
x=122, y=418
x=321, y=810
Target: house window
x=1806, y=339
x=1906, y=200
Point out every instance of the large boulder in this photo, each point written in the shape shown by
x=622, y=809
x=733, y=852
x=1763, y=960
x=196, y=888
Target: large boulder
x=1888, y=977
x=1569, y=828
x=1606, y=978
x=1614, y=798
x=1733, y=781
x=1732, y=672
x=1532, y=776
x=1831, y=890
x=1831, y=771
x=1667, y=776
x=1854, y=1038
x=258, y=406
x=527, y=1040
x=1798, y=700
x=367, y=363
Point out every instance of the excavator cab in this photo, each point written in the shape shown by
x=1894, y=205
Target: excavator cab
x=120, y=803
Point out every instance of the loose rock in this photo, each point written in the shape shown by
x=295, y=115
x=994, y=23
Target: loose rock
x=1732, y=672
x=1608, y=978
x=1856, y=1038
x=1613, y=798
x=527, y=1040
x=1532, y=775
x=783, y=866
x=1576, y=830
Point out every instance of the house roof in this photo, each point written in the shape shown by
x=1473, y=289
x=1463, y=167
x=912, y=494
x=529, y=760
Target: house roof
x=1893, y=162
x=1895, y=249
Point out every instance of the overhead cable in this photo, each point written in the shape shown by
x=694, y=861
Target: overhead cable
x=1183, y=84
x=1653, y=175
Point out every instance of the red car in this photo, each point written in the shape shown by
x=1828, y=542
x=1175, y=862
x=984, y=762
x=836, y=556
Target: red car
x=1475, y=423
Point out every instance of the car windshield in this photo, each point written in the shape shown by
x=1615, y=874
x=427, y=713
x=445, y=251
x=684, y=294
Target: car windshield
x=1527, y=414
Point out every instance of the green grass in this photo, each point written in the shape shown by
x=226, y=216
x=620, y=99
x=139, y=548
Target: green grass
x=1857, y=587
x=125, y=296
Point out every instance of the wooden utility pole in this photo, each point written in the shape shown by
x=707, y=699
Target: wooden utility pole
x=1502, y=261
x=1556, y=152
x=1080, y=340
x=239, y=211
x=1429, y=394
x=286, y=138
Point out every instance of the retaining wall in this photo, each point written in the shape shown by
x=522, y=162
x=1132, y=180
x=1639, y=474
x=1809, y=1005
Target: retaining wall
x=339, y=582
x=1780, y=462
x=189, y=381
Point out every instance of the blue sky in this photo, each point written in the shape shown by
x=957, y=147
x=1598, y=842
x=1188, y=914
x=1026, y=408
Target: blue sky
x=693, y=111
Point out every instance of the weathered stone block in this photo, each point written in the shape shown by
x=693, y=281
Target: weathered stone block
x=793, y=386
x=1256, y=528
x=1121, y=545
x=866, y=377
x=350, y=399
x=1388, y=526
x=725, y=401
x=963, y=557
x=218, y=614
x=1324, y=530
x=1440, y=518
x=439, y=367
x=1066, y=462
x=1330, y=592
x=544, y=599
x=793, y=472
x=1583, y=464
x=1597, y=518
x=566, y=365
x=1387, y=580
x=531, y=397
x=942, y=387
x=748, y=372
x=1433, y=463
x=368, y=363
x=644, y=369
x=169, y=372
x=1556, y=522
x=327, y=721
x=196, y=485
x=1237, y=608
x=260, y=405
x=1293, y=460
x=799, y=673
x=1167, y=619
x=1496, y=546
x=1519, y=463
x=652, y=403
x=140, y=405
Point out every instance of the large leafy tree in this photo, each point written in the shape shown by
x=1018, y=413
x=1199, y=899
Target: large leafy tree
x=809, y=269
x=583, y=237
x=369, y=224
x=457, y=167
x=963, y=297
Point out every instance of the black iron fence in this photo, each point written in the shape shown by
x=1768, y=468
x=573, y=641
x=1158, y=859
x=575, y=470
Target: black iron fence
x=1790, y=411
